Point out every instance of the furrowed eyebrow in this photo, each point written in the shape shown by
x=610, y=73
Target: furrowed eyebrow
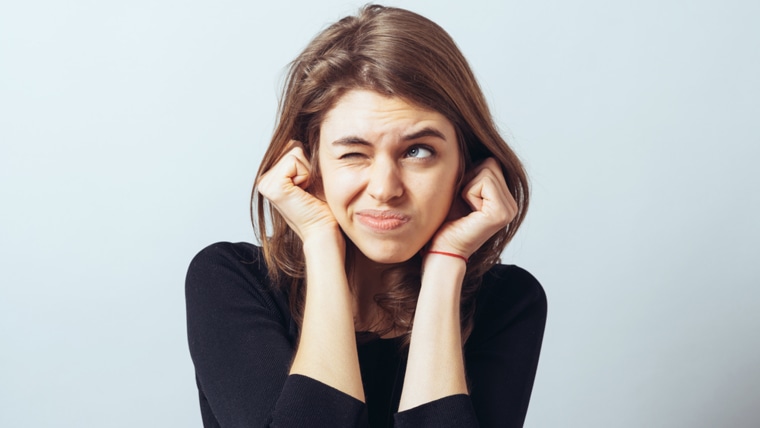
x=358, y=141
x=351, y=141
x=424, y=132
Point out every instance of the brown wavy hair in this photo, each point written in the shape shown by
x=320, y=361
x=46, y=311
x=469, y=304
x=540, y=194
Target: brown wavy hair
x=396, y=53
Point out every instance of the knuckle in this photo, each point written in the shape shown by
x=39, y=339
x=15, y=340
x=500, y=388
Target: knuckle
x=505, y=215
x=297, y=151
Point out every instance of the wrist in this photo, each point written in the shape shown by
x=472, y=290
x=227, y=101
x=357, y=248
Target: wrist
x=447, y=254
x=324, y=239
x=443, y=272
x=325, y=248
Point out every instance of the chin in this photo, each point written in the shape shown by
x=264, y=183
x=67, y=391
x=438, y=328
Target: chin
x=388, y=254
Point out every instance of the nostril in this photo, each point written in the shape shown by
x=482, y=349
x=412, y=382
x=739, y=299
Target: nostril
x=385, y=183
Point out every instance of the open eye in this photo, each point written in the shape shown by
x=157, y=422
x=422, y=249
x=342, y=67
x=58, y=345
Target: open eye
x=419, y=152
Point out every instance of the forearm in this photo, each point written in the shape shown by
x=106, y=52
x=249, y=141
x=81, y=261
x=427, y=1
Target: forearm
x=435, y=367
x=327, y=345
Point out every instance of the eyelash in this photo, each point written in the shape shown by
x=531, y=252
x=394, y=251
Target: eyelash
x=351, y=155
x=355, y=155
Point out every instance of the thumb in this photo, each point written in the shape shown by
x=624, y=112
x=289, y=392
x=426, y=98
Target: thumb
x=299, y=169
x=300, y=172
x=473, y=194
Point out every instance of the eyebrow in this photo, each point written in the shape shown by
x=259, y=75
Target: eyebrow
x=422, y=133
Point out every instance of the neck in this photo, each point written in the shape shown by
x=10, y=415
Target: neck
x=367, y=280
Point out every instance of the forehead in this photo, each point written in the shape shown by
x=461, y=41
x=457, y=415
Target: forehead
x=370, y=114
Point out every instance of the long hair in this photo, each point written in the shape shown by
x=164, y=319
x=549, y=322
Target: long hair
x=396, y=53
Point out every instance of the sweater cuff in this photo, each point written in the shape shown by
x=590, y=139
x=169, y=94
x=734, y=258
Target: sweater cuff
x=454, y=411
x=306, y=402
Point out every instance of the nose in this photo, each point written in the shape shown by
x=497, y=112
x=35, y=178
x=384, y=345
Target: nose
x=385, y=181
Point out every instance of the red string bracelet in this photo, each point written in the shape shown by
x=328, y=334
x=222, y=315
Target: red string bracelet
x=443, y=253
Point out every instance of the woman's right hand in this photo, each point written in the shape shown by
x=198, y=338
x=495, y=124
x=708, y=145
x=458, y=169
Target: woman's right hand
x=284, y=186
x=326, y=348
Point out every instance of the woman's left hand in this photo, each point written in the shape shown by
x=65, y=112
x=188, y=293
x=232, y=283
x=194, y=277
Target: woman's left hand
x=436, y=344
x=493, y=207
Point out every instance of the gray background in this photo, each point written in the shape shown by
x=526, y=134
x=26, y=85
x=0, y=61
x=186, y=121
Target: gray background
x=131, y=132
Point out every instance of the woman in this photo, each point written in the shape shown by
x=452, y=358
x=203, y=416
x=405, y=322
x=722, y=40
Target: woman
x=376, y=298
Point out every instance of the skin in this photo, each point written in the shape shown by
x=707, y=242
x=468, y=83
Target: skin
x=390, y=188
x=388, y=170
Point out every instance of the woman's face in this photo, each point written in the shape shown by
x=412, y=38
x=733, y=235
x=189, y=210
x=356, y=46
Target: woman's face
x=389, y=171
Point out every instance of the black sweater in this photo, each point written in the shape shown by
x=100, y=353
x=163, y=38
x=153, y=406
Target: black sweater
x=242, y=340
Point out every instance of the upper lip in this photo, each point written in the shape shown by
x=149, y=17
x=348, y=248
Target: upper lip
x=383, y=214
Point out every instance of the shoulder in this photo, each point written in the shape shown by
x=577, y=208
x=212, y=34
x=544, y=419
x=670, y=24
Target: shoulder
x=509, y=295
x=229, y=275
x=513, y=285
x=225, y=263
x=227, y=254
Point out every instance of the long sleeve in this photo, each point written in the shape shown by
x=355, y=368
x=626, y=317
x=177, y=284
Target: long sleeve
x=501, y=355
x=242, y=340
x=454, y=411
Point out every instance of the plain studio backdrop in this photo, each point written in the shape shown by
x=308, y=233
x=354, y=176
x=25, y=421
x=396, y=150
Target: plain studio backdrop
x=131, y=133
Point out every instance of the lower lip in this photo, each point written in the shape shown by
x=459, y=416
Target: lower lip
x=381, y=224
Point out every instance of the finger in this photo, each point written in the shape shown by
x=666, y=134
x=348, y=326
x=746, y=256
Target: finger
x=507, y=200
x=488, y=193
x=296, y=167
x=290, y=171
x=494, y=168
x=472, y=191
x=301, y=169
x=483, y=191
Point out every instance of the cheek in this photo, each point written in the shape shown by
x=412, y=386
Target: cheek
x=450, y=200
x=338, y=190
x=443, y=202
x=437, y=197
